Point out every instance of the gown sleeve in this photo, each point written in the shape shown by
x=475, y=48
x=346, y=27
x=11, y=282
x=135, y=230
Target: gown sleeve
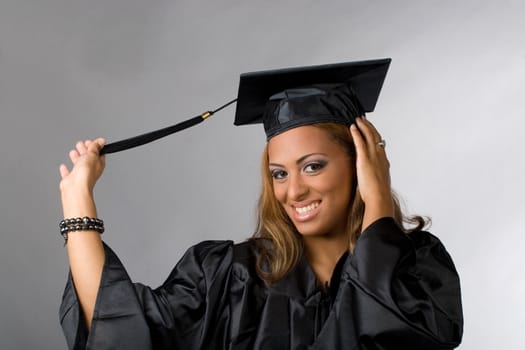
x=407, y=292
x=176, y=315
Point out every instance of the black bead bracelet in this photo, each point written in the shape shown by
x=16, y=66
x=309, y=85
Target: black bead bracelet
x=80, y=224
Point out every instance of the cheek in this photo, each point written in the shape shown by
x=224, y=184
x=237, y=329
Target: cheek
x=279, y=191
x=339, y=186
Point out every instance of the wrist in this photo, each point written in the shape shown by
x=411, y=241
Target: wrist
x=78, y=204
x=85, y=224
x=71, y=187
x=377, y=209
x=382, y=201
x=385, y=208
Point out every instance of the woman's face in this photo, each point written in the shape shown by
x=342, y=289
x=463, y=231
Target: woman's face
x=312, y=180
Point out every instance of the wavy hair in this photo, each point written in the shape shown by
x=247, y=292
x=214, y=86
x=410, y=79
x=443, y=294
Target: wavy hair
x=280, y=245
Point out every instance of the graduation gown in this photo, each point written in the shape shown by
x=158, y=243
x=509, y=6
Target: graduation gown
x=396, y=291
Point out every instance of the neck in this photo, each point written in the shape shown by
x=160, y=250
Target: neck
x=323, y=253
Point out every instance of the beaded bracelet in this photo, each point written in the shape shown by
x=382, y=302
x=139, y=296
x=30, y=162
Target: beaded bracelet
x=80, y=224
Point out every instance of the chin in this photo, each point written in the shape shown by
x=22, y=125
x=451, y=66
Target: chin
x=318, y=228
x=310, y=230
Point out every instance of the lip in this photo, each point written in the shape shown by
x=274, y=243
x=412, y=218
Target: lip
x=302, y=217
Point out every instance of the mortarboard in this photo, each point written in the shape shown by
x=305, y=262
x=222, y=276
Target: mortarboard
x=287, y=98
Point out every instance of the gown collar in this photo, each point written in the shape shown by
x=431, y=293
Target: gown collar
x=302, y=283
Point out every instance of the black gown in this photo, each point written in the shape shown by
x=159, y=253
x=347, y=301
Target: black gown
x=396, y=291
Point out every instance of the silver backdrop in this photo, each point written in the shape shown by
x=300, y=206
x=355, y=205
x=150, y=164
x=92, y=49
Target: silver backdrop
x=450, y=110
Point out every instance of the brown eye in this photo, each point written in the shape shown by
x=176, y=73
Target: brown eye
x=279, y=174
x=314, y=167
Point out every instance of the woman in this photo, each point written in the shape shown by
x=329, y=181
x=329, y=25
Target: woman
x=330, y=266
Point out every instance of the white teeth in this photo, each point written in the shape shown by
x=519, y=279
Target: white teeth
x=306, y=209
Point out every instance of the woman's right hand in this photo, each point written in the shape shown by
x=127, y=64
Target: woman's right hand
x=87, y=168
x=77, y=185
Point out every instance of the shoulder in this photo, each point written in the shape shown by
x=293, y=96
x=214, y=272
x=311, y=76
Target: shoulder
x=245, y=259
x=213, y=251
x=205, y=248
x=206, y=253
x=213, y=258
x=214, y=248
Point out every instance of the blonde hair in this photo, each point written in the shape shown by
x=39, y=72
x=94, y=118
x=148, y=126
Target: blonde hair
x=279, y=244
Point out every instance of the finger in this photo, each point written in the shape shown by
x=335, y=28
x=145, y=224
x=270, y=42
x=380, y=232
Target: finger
x=373, y=130
x=81, y=147
x=96, y=145
x=101, y=141
x=74, y=155
x=64, y=171
x=368, y=136
x=359, y=142
x=370, y=130
x=373, y=137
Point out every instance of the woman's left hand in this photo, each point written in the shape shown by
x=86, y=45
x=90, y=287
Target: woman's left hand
x=373, y=172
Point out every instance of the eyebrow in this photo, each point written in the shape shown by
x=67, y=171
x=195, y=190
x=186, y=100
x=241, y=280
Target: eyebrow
x=300, y=160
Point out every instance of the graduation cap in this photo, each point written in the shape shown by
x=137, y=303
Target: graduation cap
x=287, y=98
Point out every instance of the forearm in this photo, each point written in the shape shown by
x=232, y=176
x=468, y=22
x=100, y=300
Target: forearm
x=381, y=207
x=85, y=252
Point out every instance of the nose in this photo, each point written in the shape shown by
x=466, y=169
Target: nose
x=297, y=188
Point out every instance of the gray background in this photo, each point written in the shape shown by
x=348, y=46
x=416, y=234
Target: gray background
x=451, y=111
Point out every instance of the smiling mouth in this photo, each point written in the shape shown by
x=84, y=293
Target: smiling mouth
x=305, y=210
